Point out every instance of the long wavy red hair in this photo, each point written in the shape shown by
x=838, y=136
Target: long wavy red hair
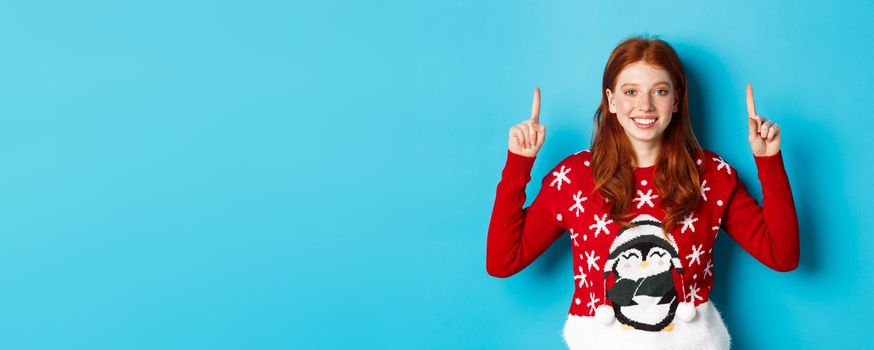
x=676, y=176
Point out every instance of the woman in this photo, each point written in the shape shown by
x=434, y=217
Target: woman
x=643, y=207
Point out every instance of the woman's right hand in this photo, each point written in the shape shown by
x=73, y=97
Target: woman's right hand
x=527, y=137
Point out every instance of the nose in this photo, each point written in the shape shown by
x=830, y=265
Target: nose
x=644, y=264
x=644, y=103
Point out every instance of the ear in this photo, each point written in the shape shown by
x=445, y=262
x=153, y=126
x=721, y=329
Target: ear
x=610, y=104
x=677, y=100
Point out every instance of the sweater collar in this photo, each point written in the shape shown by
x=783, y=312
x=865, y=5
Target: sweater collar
x=644, y=171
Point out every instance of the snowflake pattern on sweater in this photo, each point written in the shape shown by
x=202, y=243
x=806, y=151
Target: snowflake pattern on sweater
x=639, y=274
x=616, y=272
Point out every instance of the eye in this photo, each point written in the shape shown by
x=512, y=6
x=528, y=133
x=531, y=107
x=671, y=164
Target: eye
x=631, y=254
x=657, y=253
x=662, y=92
x=630, y=92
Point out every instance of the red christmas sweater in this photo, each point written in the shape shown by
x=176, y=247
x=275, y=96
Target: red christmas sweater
x=642, y=278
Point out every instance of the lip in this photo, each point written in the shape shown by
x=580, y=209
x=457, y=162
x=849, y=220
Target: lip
x=644, y=126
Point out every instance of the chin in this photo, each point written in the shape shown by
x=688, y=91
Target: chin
x=646, y=137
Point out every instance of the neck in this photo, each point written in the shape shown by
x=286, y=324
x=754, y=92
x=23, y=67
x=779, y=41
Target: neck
x=647, y=153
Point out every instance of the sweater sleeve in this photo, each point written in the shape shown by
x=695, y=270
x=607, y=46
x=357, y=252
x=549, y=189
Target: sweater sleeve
x=517, y=236
x=769, y=233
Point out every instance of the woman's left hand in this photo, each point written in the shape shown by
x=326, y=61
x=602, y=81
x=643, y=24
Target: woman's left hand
x=764, y=134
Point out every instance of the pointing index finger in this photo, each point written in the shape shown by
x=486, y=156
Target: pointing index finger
x=535, y=106
x=751, y=104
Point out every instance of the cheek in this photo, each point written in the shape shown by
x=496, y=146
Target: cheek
x=627, y=266
x=666, y=120
x=661, y=263
x=666, y=105
x=625, y=106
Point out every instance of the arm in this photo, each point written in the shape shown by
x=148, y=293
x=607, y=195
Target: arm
x=517, y=236
x=768, y=233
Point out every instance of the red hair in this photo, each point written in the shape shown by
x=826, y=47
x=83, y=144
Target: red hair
x=676, y=176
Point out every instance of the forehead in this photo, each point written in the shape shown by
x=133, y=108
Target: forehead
x=642, y=73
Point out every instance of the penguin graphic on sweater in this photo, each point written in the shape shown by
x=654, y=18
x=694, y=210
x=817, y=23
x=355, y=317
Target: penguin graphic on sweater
x=642, y=261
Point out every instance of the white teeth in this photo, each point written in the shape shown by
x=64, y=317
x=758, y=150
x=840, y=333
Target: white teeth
x=644, y=121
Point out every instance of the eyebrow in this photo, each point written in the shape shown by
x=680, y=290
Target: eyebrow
x=661, y=82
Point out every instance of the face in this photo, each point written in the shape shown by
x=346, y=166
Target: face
x=644, y=101
x=643, y=261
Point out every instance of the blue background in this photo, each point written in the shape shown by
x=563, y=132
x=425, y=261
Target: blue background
x=185, y=174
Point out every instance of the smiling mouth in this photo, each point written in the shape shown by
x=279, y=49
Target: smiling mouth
x=644, y=123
